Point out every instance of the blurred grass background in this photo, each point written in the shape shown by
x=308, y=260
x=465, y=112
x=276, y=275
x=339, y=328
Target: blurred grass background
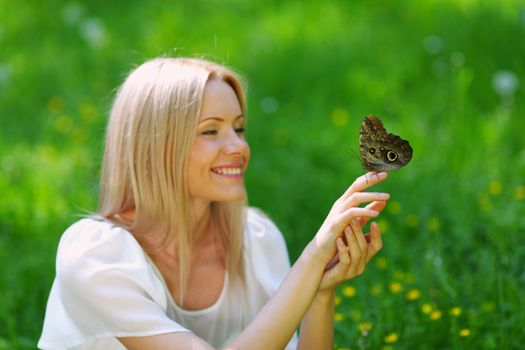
x=446, y=75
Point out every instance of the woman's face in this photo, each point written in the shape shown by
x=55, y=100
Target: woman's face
x=220, y=153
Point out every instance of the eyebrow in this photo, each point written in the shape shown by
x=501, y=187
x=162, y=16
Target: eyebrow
x=219, y=118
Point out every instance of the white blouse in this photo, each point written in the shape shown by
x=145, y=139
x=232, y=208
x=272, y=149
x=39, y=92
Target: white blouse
x=107, y=287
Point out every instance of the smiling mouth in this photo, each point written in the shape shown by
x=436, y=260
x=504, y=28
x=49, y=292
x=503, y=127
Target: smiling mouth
x=227, y=171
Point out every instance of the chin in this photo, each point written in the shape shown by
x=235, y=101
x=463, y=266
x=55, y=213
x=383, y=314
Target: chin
x=234, y=198
x=231, y=197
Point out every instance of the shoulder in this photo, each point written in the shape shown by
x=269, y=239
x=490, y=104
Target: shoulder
x=103, y=281
x=98, y=261
x=261, y=229
x=96, y=239
x=266, y=250
x=94, y=251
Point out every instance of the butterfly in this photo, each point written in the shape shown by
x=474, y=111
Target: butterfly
x=380, y=150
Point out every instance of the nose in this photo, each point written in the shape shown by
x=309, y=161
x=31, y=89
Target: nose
x=235, y=143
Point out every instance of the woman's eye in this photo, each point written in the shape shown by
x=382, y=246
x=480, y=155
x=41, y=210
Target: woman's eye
x=240, y=130
x=209, y=132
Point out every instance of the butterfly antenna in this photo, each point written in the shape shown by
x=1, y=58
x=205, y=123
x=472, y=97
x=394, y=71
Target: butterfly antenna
x=354, y=154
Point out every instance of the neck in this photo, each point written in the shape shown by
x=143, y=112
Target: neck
x=200, y=220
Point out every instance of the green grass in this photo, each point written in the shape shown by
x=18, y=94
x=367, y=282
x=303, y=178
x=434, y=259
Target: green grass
x=450, y=274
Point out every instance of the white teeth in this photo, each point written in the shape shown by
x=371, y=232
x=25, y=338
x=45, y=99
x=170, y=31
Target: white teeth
x=228, y=171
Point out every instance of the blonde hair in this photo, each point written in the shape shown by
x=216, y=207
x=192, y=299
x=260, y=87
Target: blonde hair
x=150, y=134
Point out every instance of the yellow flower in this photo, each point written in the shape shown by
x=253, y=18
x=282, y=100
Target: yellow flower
x=412, y=220
x=356, y=315
x=339, y=117
x=399, y=275
x=80, y=135
x=339, y=316
x=413, y=294
x=364, y=327
x=435, y=315
x=394, y=207
x=488, y=306
x=349, y=291
x=391, y=338
x=426, y=308
x=495, y=187
x=55, y=104
x=381, y=262
x=395, y=287
x=376, y=289
x=465, y=332
x=63, y=124
x=519, y=193
x=337, y=300
x=433, y=224
x=88, y=112
x=455, y=311
x=485, y=203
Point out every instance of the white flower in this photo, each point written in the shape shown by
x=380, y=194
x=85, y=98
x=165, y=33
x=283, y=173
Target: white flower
x=269, y=104
x=5, y=72
x=72, y=13
x=94, y=32
x=433, y=44
x=505, y=82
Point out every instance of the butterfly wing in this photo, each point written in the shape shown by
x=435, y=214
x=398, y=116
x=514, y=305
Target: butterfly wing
x=380, y=150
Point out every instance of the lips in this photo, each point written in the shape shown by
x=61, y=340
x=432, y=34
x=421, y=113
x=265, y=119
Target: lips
x=229, y=170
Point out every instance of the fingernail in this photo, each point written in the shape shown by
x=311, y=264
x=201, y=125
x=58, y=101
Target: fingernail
x=382, y=175
x=385, y=195
x=374, y=212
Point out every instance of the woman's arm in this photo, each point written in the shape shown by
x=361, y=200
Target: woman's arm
x=300, y=295
x=168, y=341
x=317, y=328
x=279, y=318
x=275, y=324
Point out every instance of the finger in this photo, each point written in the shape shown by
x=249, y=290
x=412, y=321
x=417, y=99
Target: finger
x=355, y=252
x=358, y=232
x=352, y=213
x=376, y=243
x=358, y=198
x=342, y=249
x=363, y=246
x=377, y=206
x=365, y=181
x=332, y=262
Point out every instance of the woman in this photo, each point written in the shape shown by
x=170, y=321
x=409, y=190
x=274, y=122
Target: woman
x=174, y=259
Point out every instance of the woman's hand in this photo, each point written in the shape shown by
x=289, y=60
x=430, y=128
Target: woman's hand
x=347, y=208
x=353, y=253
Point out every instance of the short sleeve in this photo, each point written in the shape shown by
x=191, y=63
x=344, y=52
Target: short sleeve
x=268, y=251
x=104, y=287
x=268, y=255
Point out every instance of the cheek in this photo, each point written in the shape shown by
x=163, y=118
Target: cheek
x=247, y=153
x=201, y=156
